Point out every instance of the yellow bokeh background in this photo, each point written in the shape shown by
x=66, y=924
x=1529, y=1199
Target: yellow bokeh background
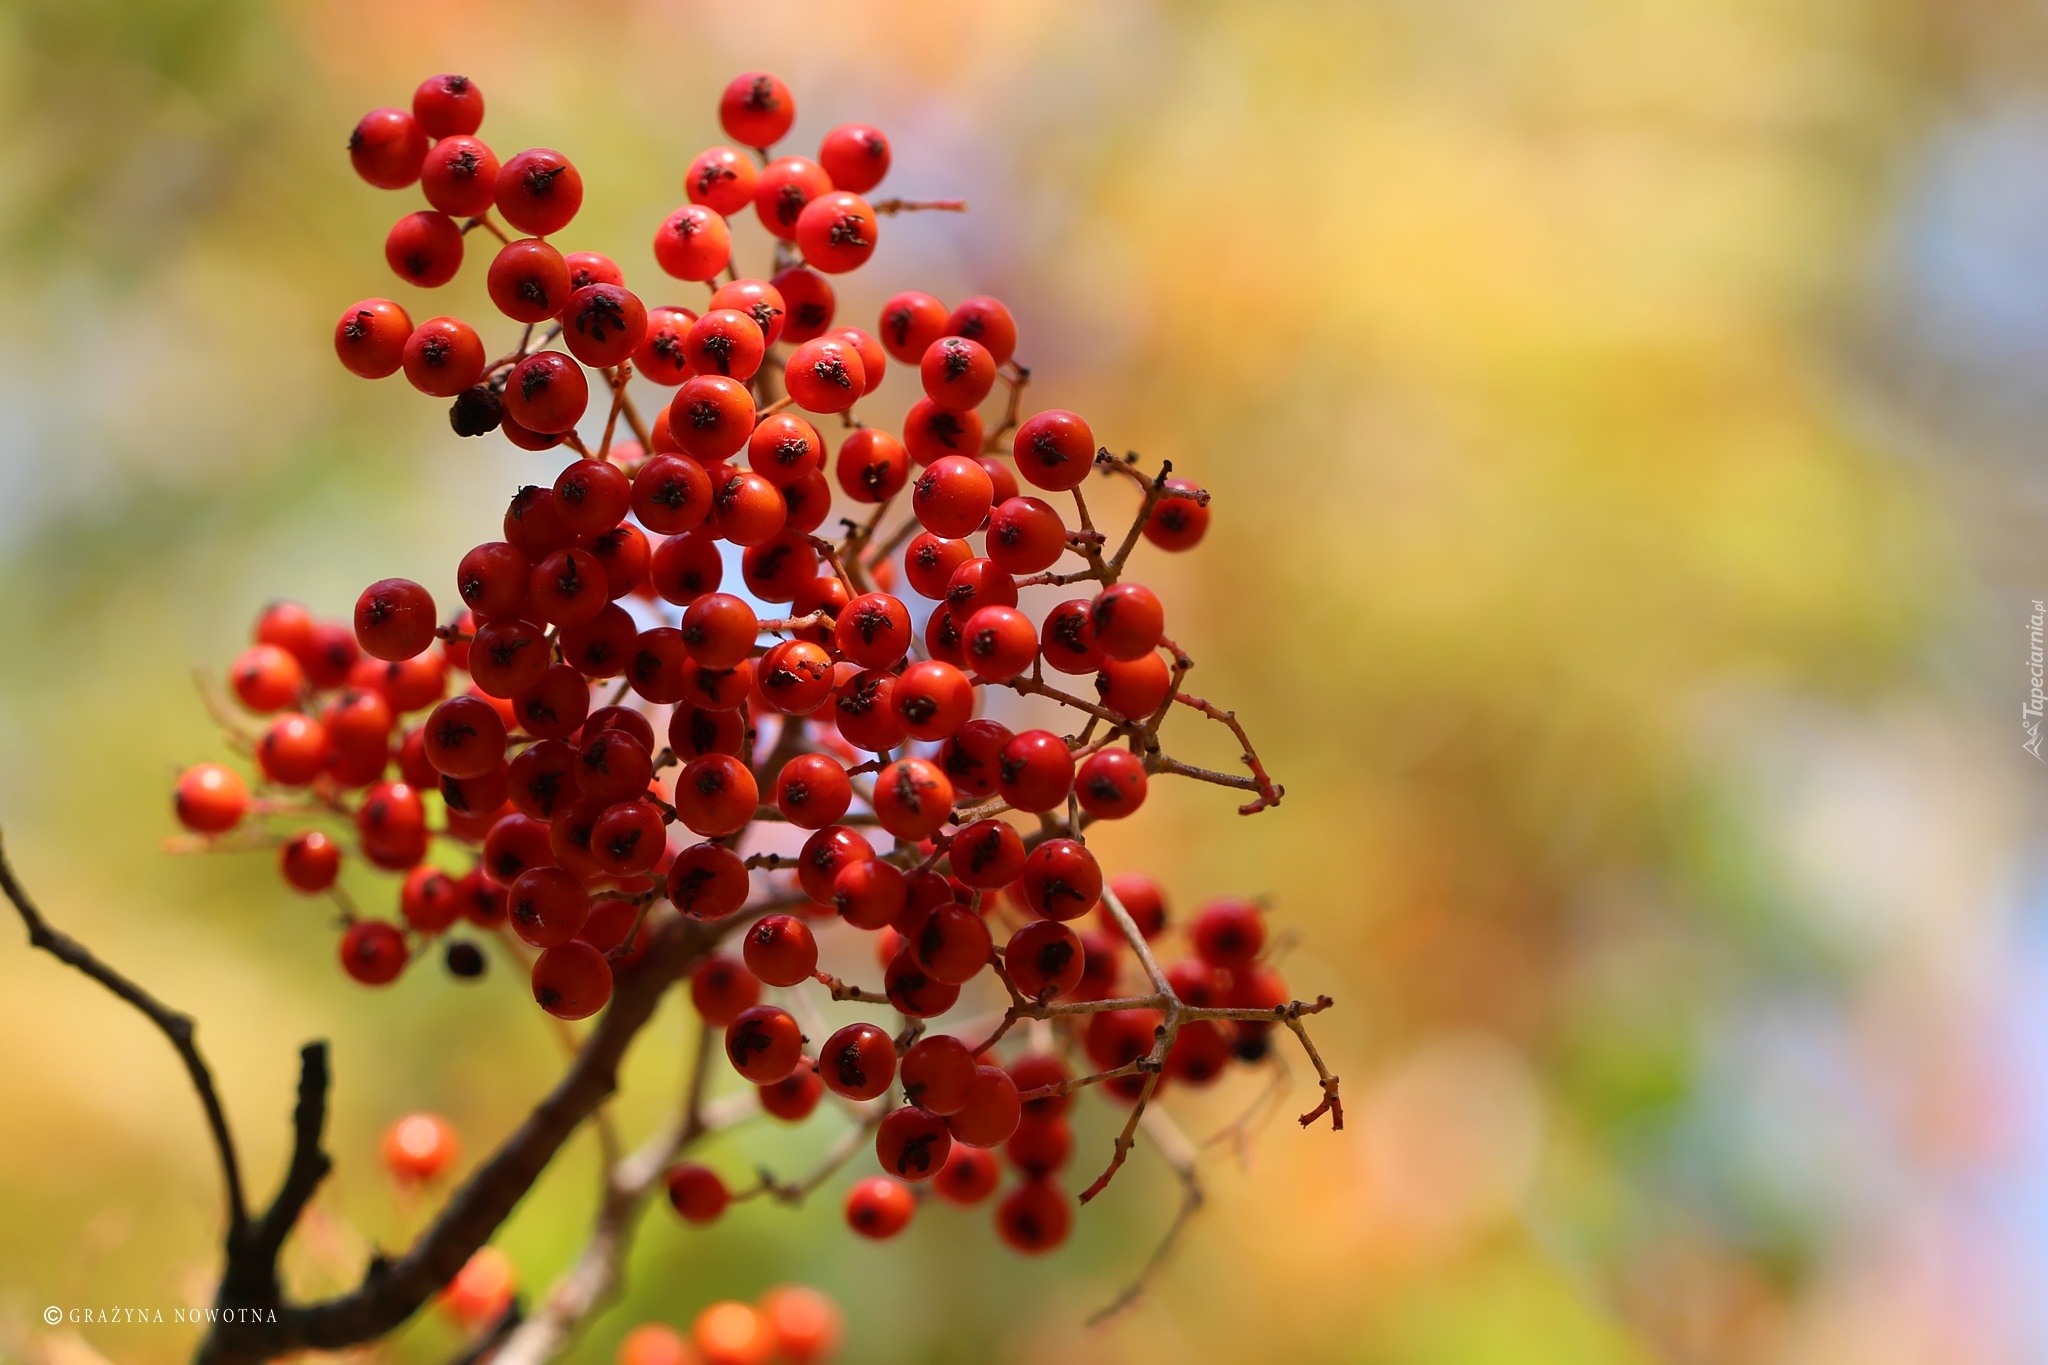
x=1595, y=559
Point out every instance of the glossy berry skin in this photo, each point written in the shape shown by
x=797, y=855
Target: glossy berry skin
x=1035, y=1217
x=951, y=943
x=1200, y=1053
x=987, y=321
x=387, y=147
x=764, y=1044
x=786, y=185
x=856, y=156
x=1110, y=784
x=310, y=862
x=539, y=192
x=671, y=494
x=910, y=323
x=265, y=678
x=460, y=176
x=603, y=324
x=998, y=643
x=971, y=758
x=428, y=900
x=1035, y=771
x=613, y=765
x=515, y=843
x=1061, y=880
x=1040, y=1146
x=836, y=232
x=929, y=563
x=1229, y=933
x=812, y=791
x=659, y=357
x=370, y=338
x=1142, y=899
x=1135, y=689
x=465, y=737
x=991, y=1112
x=952, y=497
x=969, y=1176
x=528, y=280
x=825, y=375
x=912, y=798
x=546, y=392
x=780, y=950
x=424, y=249
x=1128, y=621
x=547, y=906
x=294, y=750
x=448, y=106
x=693, y=243
x=721, y=179
x=685, y=568
x=572, y=981
x=1025, y=535
x=711, y=417
x=869, y=894
x=1179, y=523
x=911, y=1144
x=692, y=731
x=793, y=1098
x=211, y=799
x=795, y=677
x=722, y=988
x=443, y=357
x=872, y=466
x=696, y=1193
x=419, y=1148
x=914, y=991
x=394, y=619
x=873, y=630
x=373, y=952
x=591, y=496
x=756, y=109
x=808, y=297
x=823, y=856
x=746, y=509
x=567, y=588
x=628, y=838
x=933, y=700
x=957, y=373
x=1045, y=960
x=784, y=449
x=931, y=431
x=878, y=1208
x=725, y=341
x=858, y=1061
x=707, y=881
x=862, y=711
x=808, y=1327
x=986, y=855
x=1054, y=450
x=938, y=1072
x=719, y=630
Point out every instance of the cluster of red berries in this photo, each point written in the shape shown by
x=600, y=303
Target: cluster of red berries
x=626, y=742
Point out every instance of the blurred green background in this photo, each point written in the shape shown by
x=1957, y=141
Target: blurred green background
x=1623, y=424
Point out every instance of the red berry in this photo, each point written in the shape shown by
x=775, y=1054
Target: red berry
x=951, y=943
x=539, y=192
x=1025, y=535
x=528, y=280
x=534, y=525
x=968, y=1177
x=448, y=106
x=548, y=906
x=756, y=109
x=310, y=861
x=546, y=392
x=294, y=750
x=986, y=855
x=786, y=185
x=1054, y=449
x=869, y=894
x=685, y=568
x=394, y=619
x=873, y=630
x=725, y=341
x=824, y=854
x=824, y=375
x=1141, y=899
x=603, y=324
x=998, y=643
x=266, y=678
x=211, y=799
x=696, y=1192
x=879, y=1207
x=1200, y=1052
x=784, y=448
x=613, y=765
x=915, y=992
x=722, y=988
x=1111, y=784
x=991, y=1112
x=1035, y=1217
x=460, y=176
x=859, y=1062
x=836, y=232
x=373, y=952
x=387, y=147
x=764, y=1044
x=507, y=658
x=971, y=758
x=515, y=844
x=424, y=248
x=812, y=791
x=1134, y=689
x=808, y=297
x=1041, y=1071
x=952, y=497
x=711, y=417
x=930, y=561
x=568, y=588
x=1040, y=1146
x=443, y=357
x=721, y=179
x=855, y=156
x=957, y=373
x=911, y=1144
x=671, y=494
x=1178, y=523
x=861, y=709
x=792, y=1098
x=780, y=950
x=572, y=981
x=872, y=465
x=930, y=431
x=1035, y=771
x=1045, y=960
x=693, y=243
x=1000, y=475
x=628, y=839
x=719, y=630
x=1061, y=879
x=795, y=677
x=1228, y=933
x=429, y=900
x=1128, y=621
x=937, y=1074
x=933, y=700
x=659, y=356
x=419, y=1147
x=778, y=568
x=707, y=881
x=985, y=320
x=370, y=338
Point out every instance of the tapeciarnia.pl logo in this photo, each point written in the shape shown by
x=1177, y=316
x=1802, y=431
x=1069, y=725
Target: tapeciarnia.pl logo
x=2037, y=668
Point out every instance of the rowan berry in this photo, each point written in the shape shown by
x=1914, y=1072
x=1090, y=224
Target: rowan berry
x=795, y=677
x=911, y=1144
x=686, y=567
x=671, y=495
x=858, y=1061
x=836, y=232
x=696, y=1192
x=879, y=1207
x=756, y=109
x=869, y=893
x=711, y=417
x=957, y=373
x=482, y=1290
x=1111, y=784
x=1128, y=621
x=1200, y=1052
x=1195, y=982
x=1061, y=879
x=986, y=855
x=968, y=1177
x=332, y=653
x=764, y=1044
x=824, y=854
x=807, y=1326
x=659, y=356
x=1103, y=966
x=693, y=243
x=1136, y=688
x=569, y=836
x=991, y=1112
x=1040, y=1146
x=547, y=906
x=929, y=562
x=539, y=192
x=913, y=990
x=707, y=881
x=394, y=619
x=1054, y=449
x=872, y=465
x=822, y=594
x=424, y=248
x=1045, y=960
x=778, y=568
x=824, y=375
x=1142, y=899
x=784, y=448
x=715, y=689
x=613, y=765
x=387, y=147
x=721, y=989
x=373, y=952
x=812, y=791
x=952, y=497
x=861, y=709
x=448, y=106
x=1035, y=770
x=460, y=176
x=725, y=341
x=654, y=1343
x=1228, y=933
x=933, y=700
x=785, y=186
x=628, y=839
x=429, y=900
x=1025, y=535
x=310, y=861
x=1035, y=1217
x=1178, y=523
x=931, y=431
x=999, y=643
x=546, y=392
x=370, y=339
x=950, y=942
x=721, y=179
x=572, y=980
x=810, y=302
x=568, y=588
x=793, y=1098
x=693, y=730
x=525, y=437
x=265, y=678
x=603, y=324
x=516, y=844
